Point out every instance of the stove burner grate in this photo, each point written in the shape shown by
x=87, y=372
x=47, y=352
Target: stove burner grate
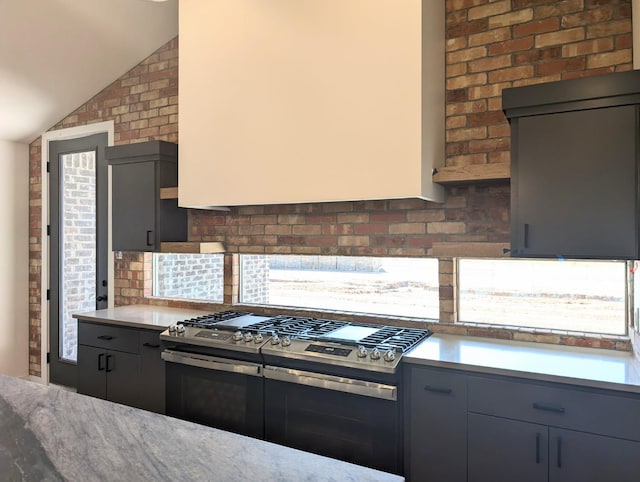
x=207, y=321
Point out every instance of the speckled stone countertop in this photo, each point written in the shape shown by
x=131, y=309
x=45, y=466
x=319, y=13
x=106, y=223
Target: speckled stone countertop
x=141, y=316
x=588, y=367
x=49, y=434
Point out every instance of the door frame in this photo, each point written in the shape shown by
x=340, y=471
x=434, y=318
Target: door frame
x=61, y=135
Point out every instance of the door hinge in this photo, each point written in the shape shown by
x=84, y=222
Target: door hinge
x=48, y=167
x=48, y=358
x=48, y=230
x=48, y=295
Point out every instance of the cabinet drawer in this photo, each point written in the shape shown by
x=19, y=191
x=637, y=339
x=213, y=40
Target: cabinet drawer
x=579, y=409
x=107, y=336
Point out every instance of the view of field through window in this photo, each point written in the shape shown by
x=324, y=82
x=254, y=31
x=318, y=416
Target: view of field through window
x=385, y=286
x=583, y=296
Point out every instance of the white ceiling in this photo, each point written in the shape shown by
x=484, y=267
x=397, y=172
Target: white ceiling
x=56, y=54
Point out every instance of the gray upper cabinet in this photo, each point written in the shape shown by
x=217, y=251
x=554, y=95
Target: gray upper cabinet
x=141, y=219
x=574, y=165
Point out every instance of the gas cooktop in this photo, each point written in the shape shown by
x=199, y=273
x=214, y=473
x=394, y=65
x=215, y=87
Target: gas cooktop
x=365, y=346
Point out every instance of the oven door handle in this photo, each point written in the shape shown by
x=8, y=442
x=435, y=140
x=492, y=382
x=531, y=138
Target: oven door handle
x=329, y=382
x=212, y=363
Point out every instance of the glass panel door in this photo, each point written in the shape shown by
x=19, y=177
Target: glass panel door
x=78, y=244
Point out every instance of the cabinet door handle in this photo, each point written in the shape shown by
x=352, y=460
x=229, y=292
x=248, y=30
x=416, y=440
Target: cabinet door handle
x=548, y=408
x=559, y=452
x=100, y=358
x=537, y=448
x=109, y=368
x=444, y=391
x=149, y=243
x=105, y=337
x=525, y=235
x=150, y=345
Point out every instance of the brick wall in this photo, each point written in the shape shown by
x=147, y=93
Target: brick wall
x=490, y=45
x=189, y=276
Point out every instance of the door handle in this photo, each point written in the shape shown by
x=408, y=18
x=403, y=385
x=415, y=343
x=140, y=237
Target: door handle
x=149, y=243
x=101, y=298
x=548, y=408
x=537, y=448
x=559, y=453
x=109, y=369
x=444, y=391
x=525, y=235
x=100, y=358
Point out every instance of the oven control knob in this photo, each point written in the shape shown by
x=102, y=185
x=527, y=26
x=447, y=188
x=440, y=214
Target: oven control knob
x=389, y=356
x=172, y=329
x=362, y=352
x=180, y=329
x=258, y=338
x=237, y=336
x=286, y=341
x=275, y=340
x=375, y=354
x=248, y=337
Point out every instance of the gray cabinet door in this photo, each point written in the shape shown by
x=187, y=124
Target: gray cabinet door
x=436, y=426
x=152, y=372
x=574, y=184
x=134, y=199
x=92, y=374
x=123, y=378
x=582, y=457
x=503, y=450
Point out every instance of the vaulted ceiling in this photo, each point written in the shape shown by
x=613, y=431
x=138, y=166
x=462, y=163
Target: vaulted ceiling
x=57, y=54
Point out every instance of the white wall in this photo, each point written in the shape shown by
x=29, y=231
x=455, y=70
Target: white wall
x=14, y=253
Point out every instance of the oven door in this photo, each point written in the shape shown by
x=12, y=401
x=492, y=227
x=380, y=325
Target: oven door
x=338, y=417
x=217, y=392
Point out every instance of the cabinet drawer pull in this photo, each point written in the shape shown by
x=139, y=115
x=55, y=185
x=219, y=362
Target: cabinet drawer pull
x=444, y=391
x=559, y=452
x=109, y=368
x=105, y=337
x=150, y=345
x=548, y=408
x=537, y=448
x=100, y=358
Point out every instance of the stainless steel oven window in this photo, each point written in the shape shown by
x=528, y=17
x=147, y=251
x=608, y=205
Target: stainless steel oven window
x=358, y=284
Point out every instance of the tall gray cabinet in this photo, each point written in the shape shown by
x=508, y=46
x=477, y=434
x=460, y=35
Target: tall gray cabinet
x=141, y=219
x=575, y=156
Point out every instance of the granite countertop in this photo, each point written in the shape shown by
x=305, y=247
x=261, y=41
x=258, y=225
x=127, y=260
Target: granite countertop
x=47, y=433
x=141, y=316
x=588, y=367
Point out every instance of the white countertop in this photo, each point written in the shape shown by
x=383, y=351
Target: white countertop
x=141, y=316
x=589, y=367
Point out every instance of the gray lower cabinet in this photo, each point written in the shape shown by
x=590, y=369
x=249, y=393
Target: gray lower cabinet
x=503, y=450
x=121, y=365
x=466, y=426
x=584, y=457
x=435, y=425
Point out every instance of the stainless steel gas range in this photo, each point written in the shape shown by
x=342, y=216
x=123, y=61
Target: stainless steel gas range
x=325, y=386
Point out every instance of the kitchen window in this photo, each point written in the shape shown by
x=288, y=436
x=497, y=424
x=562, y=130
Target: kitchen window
x=188, y=276
x=373, y=285
x=580, y=296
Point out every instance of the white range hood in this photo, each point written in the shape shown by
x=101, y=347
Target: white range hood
x=295, y=101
